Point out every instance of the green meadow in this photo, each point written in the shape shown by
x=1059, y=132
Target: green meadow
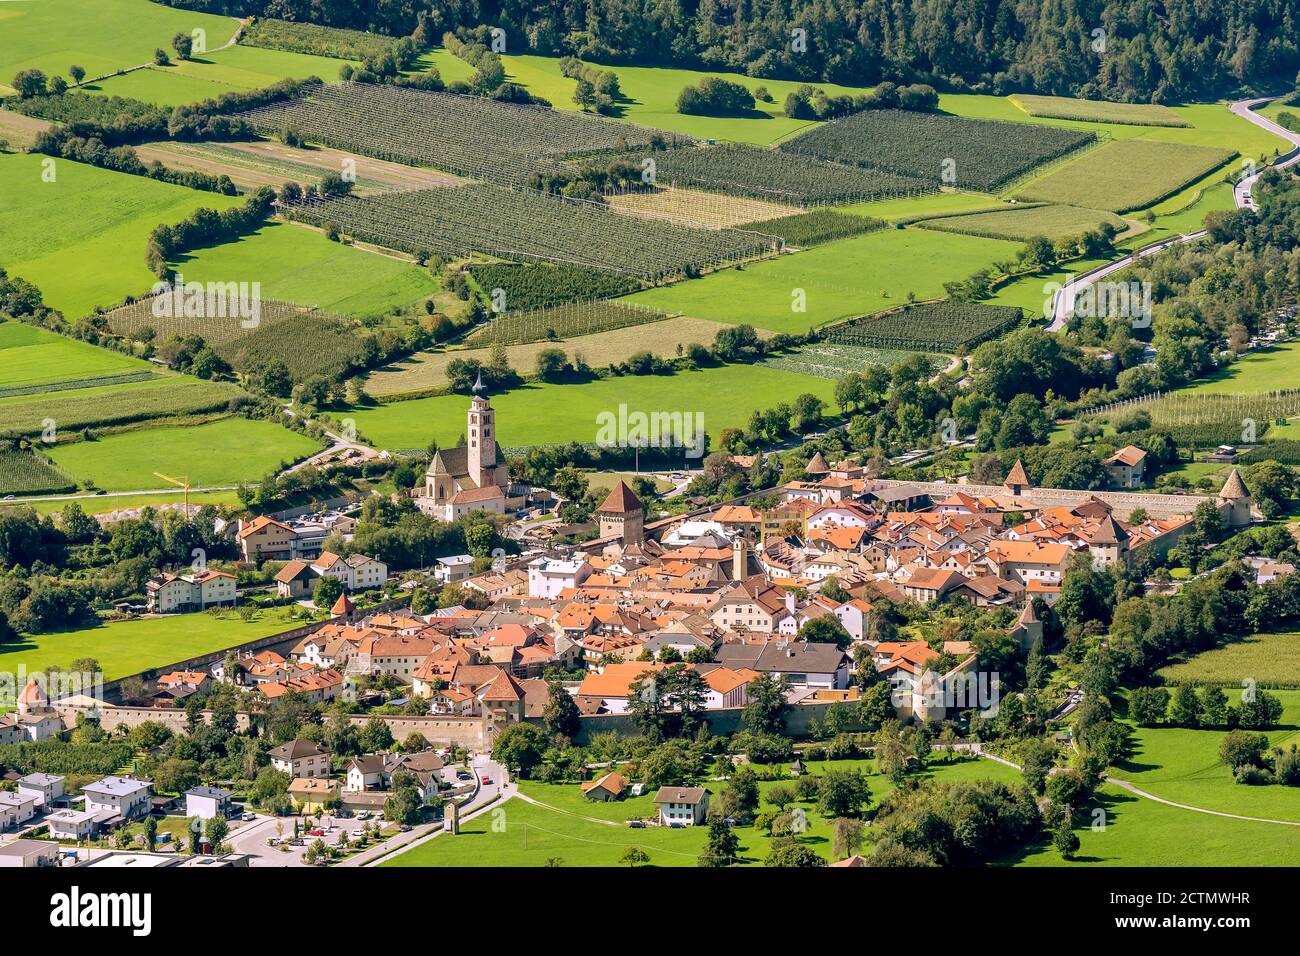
x=223, y=452
x=1183, y=766
x=1213, y=124
x=100, y=36
x=578, y=832
x=129, y=647
x=839, y=279
x=33, y=356
x=554, y=414
x=1271, y=660
x=299, y=265
x=81, y=237
x=1264, y=370
x=205, y=76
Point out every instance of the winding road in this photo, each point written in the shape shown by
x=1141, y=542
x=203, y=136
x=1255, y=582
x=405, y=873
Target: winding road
x=1063, y=301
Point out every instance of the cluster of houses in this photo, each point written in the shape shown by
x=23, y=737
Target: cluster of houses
x=730, y=591
x=298, y=542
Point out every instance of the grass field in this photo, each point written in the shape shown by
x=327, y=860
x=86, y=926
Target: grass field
x=1183, y=766
x=72, y=410
x=1054, y=222
x=128, y=647
x=1098, y=111
x=930, y=205
x=81, y=238
x=650, y=97
x=1124, y=175
x=1141, y=832
x=32, y=356
x=205, y=76
x=551, y=414
x=429, y=369
x=299, y=265
x=839, y=279
x=1271, y=660
x=103, y=504
x=1212, y=124
x=1265, y=370
x=223, y=452
x=106, y=35
x=268, y=163
x=570, y=827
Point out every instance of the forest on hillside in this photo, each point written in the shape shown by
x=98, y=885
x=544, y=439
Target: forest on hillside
x=1129, y=50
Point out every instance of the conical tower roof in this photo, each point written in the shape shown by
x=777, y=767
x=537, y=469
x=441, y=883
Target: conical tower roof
x=1027, y=616
x=817, y=465
x=1017, y=475
x=343, y=605
x=1234, y=487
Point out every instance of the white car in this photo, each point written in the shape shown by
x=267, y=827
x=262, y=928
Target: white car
x=358, y=834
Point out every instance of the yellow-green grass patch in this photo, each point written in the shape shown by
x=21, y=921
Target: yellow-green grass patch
x=1098, y=111
x=1054, y=222
x=1267, y=660
x=1125, y=175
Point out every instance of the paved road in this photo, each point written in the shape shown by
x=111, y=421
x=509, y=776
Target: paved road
x=483, y=800
x=1063, y=301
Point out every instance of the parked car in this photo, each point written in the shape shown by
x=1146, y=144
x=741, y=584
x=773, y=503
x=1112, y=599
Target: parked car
x=363, y=815
x=358, y=833
x=486, y=780
x=464, y=775
x=248, y=816
x=318, y=832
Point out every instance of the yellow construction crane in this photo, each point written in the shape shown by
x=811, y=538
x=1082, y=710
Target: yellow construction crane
x=179, y=482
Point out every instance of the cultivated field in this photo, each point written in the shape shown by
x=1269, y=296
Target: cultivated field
x=936, y=148
x=536, y=285
x=268, y=163
x=1270, y=660
x=1125, y=175
x=833, y=360
x=694, y=207
x=930, y=327
x=554, y=414
x=223, y=452
x=1054, y=222
x=427, y=370
x=531, y=226
x=81, y=237
x=562, y=322
x=838, y=280
x=20, y=131
x=26, y=473
x=72, y=410
x=307, y=343
x=468, y=135
x=782, y=176
x=1098, y=111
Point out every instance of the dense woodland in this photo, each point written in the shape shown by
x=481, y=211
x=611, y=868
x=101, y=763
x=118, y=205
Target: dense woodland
x=1159, y=52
